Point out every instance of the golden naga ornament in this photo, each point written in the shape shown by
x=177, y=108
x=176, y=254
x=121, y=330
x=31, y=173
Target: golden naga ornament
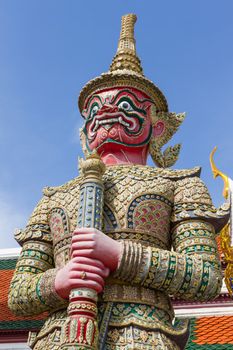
x=226, y=232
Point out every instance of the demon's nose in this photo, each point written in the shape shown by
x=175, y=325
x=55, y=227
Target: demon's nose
x=106, y=108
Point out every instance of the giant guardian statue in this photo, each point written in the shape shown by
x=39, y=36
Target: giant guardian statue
x=103, y=253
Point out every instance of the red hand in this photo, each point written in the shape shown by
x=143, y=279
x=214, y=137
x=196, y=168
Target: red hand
x=92, y=243
x=80, y=272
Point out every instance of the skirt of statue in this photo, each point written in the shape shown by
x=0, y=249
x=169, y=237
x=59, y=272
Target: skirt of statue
x=122, y=326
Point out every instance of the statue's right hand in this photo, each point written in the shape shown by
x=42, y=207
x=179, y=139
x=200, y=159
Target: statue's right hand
x=80, y=272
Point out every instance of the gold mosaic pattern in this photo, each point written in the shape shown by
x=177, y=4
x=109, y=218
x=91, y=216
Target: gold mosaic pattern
x=130, y=338
x=191, y=190
x=32, y=287
x=49, y=337
x=129, y=192
x=190, y=276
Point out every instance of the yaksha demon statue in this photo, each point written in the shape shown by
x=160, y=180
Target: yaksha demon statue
x=157, y=237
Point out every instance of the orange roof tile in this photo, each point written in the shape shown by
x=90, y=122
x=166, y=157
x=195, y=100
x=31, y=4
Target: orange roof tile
x=214, y=330
x=6, y=314
x=220, y=248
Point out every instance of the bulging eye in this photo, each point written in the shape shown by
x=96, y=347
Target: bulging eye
x=125, y=105
x=94, y=110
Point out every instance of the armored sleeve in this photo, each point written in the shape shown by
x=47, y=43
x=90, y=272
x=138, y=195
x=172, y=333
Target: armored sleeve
x=32, y=288
x=191, y=270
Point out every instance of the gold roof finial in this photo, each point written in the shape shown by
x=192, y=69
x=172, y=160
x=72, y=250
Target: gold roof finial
x=126, y=57
x=216, y=172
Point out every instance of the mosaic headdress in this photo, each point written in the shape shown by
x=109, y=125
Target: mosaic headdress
x=126, y=71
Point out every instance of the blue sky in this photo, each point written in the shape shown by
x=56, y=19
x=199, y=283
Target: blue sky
x=50, y=49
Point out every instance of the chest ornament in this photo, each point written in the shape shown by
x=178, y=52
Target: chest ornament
x=148, y=212
x=59, y=224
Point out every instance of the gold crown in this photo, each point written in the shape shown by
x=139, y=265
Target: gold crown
x=125, y=70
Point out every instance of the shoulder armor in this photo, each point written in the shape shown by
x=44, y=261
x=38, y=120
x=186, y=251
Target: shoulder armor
x=193, y=202
x=39, y=233
x=191, y=190
x=37, y=227
x=147, y=172
x=180, y=174
x=50, y=191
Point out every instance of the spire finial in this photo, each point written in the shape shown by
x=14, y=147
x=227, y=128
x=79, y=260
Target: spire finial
x=125, y=70
x=127, y=40
x=126, y=57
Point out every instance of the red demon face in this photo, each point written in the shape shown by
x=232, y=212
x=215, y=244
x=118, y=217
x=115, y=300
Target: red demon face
x=117, y=115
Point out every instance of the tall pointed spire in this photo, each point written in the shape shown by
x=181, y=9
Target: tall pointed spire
x=126, y=57
x=125, y=70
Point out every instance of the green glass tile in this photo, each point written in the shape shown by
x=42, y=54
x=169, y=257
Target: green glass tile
x=23, y=324
x=8, y=264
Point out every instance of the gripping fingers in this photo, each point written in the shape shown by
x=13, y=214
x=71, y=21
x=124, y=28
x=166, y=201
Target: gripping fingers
x=88, y=261
x=103, y=272
x=84, y=231
x=80, y=283
x=78, y=237
x=89, y=253
x=82, y=245
x=85, y=276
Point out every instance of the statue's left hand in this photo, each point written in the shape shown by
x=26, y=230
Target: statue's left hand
x=92, y=243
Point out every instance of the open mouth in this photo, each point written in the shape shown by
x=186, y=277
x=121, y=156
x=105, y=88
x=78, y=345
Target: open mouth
x=107, y=120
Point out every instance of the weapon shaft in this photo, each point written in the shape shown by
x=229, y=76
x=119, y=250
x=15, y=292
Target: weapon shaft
x=81, y=329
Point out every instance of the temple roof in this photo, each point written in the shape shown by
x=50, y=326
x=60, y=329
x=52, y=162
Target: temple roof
x=8, y=321
x=211, y=333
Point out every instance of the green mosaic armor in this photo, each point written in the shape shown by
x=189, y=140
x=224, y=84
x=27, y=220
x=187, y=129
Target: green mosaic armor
x=166, y=222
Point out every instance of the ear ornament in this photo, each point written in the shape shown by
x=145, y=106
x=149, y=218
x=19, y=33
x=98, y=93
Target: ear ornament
x=165, y=125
